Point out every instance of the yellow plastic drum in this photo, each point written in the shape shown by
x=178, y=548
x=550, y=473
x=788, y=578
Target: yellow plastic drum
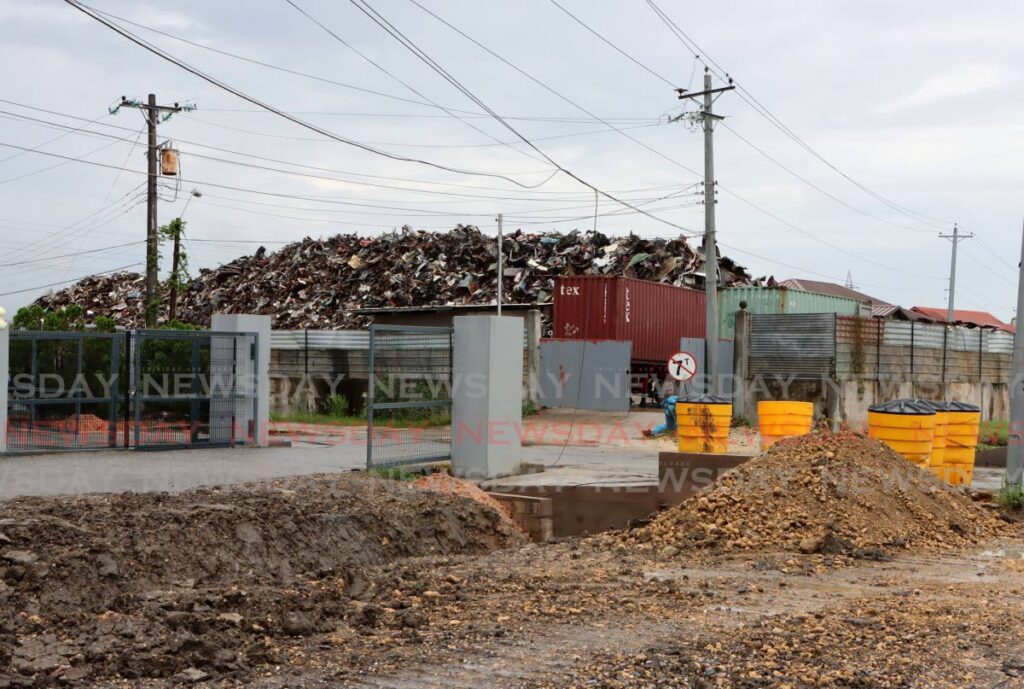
x=907, y=426
x=961, y=442
x=939, y=437
x=703, y=422
x=783, y=419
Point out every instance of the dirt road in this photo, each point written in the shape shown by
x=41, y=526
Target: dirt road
x=351, y=581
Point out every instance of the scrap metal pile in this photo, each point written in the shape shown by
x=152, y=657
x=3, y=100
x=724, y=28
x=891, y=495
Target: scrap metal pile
x=319, y=283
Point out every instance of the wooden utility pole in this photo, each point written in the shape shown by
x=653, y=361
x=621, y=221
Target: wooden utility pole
x=152, y=112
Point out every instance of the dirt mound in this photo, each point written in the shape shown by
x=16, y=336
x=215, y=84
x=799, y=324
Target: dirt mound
x=837, y=494
x=449, y=485
x=154, y=584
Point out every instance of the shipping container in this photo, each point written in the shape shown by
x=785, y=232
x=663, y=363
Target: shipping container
x=776, y=300
x=651, y=315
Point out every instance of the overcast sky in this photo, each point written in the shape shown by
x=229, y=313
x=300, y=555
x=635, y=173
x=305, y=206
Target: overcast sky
x=923, y=108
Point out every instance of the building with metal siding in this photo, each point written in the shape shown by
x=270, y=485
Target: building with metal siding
x=780, y=300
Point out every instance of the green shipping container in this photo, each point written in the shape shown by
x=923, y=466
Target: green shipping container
x=779, y=300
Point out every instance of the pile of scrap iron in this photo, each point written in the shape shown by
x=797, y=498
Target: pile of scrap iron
x=318, y=283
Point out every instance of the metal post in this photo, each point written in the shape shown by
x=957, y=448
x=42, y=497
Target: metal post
x=193, y=407
x=115, y=382
x=138, y=386
x=369, y=398
x=710, y=247
x=127, y=382
x=1015, y=456
x=501, y=264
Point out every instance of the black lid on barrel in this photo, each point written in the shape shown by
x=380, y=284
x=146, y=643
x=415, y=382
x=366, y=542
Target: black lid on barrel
x=963, y=406
x=910, y=407
x=940, y=405
x=701, y=398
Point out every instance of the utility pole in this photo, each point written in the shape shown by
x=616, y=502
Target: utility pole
x=710, y=246
x=1015, y=456
x=501, y=264
x=152, y=113
x=956, y=238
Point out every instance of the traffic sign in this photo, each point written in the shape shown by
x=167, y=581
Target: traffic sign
x=682, y=366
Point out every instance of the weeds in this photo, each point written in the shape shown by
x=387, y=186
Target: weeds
x=1011, y=498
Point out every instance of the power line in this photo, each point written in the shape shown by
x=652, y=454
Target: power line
x=692, y=47
x=391, y=30
x=819, y=189
x=437, y=146
x=551, y=90
x=614, y=47
x=411, y=88
x=77, y=253
x=64, y=282
x=732, y=193
x=295, y=72
x=313, y=167
x=255, y=101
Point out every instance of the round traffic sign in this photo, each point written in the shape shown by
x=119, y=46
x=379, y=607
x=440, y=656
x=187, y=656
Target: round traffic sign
x=682, y=366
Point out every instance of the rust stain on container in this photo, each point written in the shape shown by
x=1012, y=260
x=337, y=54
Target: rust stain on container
x=652, y=315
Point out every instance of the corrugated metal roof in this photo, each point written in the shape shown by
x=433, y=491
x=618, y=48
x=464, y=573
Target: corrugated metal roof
x=982, y=319
x=830, y=288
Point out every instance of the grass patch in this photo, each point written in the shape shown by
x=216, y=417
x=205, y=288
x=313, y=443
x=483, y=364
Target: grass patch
x=530, y=409
x=1011, y=498
x=994, y=433
x=396, y=474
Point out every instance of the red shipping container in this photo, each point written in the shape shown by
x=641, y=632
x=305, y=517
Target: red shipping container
x=650, y=314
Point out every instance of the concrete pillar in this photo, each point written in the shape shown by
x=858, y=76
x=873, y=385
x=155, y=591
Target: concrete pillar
x=223, y=355
x=487, y=410
x=533, y=332
x=5, y=373
x=741, y=406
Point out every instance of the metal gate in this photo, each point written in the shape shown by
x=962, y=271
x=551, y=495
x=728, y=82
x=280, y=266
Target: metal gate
x=193, y=387
x=409, y=399
x=67, y=391
x=147, y=389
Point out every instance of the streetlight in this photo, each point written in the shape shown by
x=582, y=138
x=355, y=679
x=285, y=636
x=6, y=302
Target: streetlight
x=195, y=193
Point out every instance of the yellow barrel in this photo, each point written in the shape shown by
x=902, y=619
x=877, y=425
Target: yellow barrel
x=783, y=419
x=703, y=423
x=937, y=458
x=907, y=426
x=961, y=442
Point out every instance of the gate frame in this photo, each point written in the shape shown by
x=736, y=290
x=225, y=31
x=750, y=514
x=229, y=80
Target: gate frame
x=195, y=337
x=371, y=405
x=118, y=356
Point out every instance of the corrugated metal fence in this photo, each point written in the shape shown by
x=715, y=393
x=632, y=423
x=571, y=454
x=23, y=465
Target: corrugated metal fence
x=799, y=345
x=862, y=348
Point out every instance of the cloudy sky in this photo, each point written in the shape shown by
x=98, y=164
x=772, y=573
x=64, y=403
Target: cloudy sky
x=918, y=115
